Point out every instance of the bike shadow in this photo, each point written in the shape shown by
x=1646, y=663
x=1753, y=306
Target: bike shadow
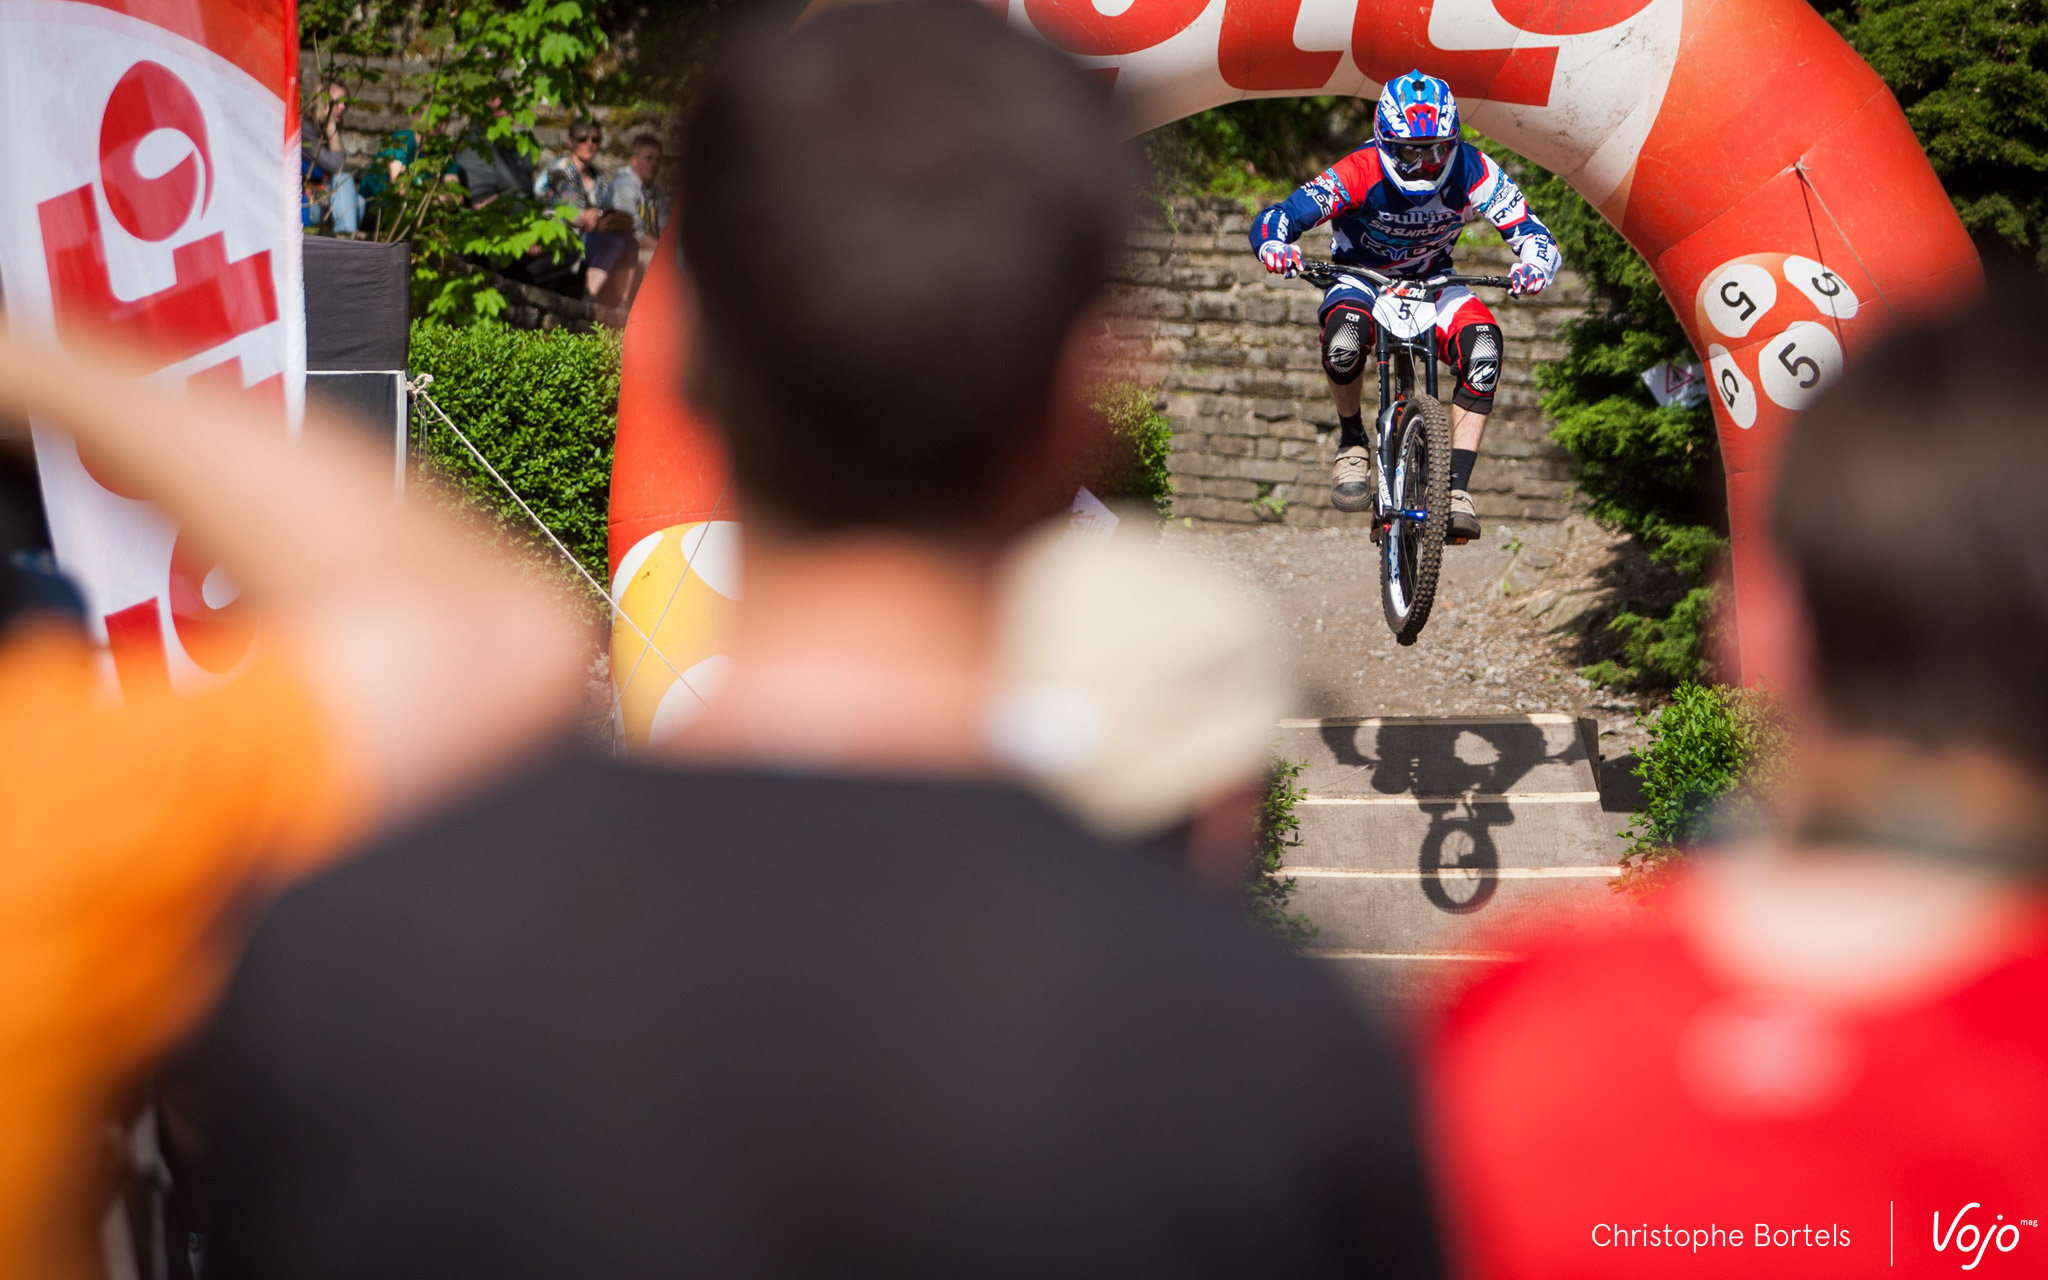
x=1449, y=765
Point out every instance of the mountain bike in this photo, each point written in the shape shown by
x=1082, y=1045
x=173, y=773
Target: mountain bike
x=1411, y=438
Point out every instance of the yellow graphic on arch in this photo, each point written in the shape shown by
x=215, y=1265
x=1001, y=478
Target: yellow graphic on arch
x=678, y=588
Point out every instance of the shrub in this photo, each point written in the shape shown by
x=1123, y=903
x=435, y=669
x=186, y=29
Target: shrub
x=1266, y=891
x=543, y=407
x=1716, y=758
x=1652, y=472
x=1140, y=439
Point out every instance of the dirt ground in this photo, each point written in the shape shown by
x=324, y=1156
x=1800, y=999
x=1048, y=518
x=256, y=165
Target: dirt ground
x=1508, y=633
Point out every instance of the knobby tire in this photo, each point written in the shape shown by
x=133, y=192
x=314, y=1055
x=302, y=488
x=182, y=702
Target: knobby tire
x=1423, y=421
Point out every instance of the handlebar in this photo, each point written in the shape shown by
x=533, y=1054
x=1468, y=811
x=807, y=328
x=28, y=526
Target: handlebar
x=1322, y=274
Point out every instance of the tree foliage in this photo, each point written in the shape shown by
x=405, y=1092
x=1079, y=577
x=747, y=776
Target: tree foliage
x=1653, y=472
x=1972, y=76
x=1254, y=148
x=478, y=72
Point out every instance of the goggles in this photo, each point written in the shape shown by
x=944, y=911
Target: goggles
x=1418, y=158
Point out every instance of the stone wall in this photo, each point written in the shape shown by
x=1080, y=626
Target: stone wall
x=1234, y=352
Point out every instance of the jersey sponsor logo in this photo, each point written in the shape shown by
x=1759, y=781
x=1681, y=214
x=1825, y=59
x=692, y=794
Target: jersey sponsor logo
x=1327, y=190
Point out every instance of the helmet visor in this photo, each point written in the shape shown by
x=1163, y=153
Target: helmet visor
x=1418, y=159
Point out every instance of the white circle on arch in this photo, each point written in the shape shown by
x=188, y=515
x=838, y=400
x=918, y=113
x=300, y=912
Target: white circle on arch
x=1734, y=391
x=712, y=550
x=1799, y=364
x=686, y=699
x=1828, y=292
x=1737, y=297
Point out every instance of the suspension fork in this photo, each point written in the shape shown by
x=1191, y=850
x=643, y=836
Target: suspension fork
x=1381, y=352
x=1383, y=423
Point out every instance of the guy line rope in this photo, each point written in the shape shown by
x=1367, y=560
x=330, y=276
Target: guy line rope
x=418, y=388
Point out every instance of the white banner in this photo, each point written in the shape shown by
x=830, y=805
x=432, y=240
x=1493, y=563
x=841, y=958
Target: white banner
x=151, y=148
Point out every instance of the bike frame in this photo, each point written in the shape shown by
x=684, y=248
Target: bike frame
x=1385, y=347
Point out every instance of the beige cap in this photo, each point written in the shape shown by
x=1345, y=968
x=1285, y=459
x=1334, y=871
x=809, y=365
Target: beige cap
x=1134, y=683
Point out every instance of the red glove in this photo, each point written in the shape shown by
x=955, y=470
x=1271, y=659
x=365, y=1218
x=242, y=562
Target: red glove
x=1526, y=281
x=1281, y=259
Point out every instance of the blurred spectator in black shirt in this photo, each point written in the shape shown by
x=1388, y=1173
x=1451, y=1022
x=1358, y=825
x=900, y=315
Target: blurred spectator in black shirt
x=818, y=991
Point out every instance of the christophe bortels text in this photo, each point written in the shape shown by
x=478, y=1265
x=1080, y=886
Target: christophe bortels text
x=1613, y=1235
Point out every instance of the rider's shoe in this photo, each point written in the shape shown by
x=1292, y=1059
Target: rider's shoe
x=1351, y=485
x=1464, y=518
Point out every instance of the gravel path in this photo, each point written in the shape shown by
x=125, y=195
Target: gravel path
x=1510, y=607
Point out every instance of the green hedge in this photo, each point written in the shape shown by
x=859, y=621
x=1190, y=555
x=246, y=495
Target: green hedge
x=1716, y=758
x=542, y=406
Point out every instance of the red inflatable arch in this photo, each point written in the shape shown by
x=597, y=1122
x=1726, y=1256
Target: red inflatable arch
x=1761, y=168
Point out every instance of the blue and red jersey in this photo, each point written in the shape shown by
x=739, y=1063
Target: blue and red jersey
x=1374, y=223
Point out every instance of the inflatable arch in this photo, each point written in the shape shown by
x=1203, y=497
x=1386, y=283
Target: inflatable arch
x=1760, y=167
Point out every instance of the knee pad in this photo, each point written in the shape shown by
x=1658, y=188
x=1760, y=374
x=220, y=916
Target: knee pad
x=1346, y=333
x=1478, y=355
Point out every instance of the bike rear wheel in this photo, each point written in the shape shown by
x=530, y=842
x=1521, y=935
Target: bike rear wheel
x=1419, y=481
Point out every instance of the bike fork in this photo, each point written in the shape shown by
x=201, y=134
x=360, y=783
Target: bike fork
x=1383, y=429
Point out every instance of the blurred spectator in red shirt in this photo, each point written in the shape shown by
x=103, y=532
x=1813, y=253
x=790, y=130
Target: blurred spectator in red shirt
x=1826, y=1052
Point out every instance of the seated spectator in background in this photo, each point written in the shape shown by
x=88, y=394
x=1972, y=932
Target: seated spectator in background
x=1831, y=1040
x=573, y=182
x=636, y=194
x=816, y=992
x=326, y=163
x=399, y=661
x=401, y=148
x=497, y=174
x=492, y=171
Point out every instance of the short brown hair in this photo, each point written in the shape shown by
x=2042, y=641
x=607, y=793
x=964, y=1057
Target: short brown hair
x=936, y=199
x=1909, y=508
x=644, y=140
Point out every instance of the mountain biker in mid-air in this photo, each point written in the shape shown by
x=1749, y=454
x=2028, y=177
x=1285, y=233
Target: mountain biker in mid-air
x=1397, y=206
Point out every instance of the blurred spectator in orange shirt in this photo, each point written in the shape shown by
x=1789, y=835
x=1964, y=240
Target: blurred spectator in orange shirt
x=1830, y=1040
x=399, y=661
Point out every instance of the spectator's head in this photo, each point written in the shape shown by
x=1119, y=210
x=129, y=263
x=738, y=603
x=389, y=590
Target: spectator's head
x=894, y=219
x=1908, y=514
x=646, y=158
x=584, y=140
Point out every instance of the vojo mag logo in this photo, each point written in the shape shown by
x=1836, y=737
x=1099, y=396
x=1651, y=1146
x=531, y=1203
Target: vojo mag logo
x=1968, y=1239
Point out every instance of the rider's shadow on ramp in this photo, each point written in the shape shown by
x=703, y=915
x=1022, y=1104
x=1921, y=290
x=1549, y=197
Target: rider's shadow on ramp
x=1455, y=770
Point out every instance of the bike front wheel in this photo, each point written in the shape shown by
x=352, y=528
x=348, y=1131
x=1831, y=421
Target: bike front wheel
x=1418, y=471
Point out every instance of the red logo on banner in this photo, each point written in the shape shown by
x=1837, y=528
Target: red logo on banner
x=210, y=301
x=213, y=299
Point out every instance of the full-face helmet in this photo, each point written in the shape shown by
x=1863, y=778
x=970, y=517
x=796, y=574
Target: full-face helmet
x=1416, y=127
